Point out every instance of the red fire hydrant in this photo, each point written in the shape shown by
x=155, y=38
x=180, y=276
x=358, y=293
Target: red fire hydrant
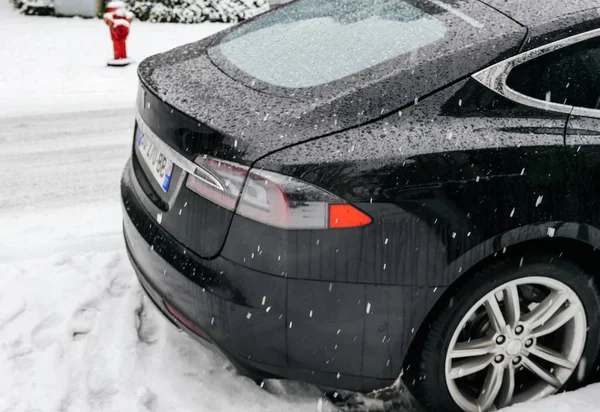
x=119, y=20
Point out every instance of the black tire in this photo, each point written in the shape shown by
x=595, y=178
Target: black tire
x=425, y=366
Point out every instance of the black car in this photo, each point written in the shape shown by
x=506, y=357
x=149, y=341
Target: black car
x=345, y=192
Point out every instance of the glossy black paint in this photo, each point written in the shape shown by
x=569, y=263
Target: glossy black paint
x=451, y=180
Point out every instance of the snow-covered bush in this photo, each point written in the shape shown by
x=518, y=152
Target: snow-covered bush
x=195, y=11
x=35, y=7
x=170, y=11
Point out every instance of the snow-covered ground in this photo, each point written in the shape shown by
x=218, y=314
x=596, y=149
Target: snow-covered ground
x=76, y=333
x=59, y=65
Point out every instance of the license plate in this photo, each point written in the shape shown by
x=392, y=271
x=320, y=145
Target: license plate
x=160, y=166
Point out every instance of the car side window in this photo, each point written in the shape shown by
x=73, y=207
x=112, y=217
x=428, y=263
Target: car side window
x=569, y=76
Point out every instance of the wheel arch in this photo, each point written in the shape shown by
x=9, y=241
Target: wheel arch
x=577, y=242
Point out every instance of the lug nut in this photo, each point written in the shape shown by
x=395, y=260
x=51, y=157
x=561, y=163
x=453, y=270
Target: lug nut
x=516, y=360
x=519, y=330
x=499, y=358
x=528, y=343
x=500, y=340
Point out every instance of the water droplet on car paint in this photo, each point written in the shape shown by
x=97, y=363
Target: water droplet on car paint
x=539, y=201
x=368, y=307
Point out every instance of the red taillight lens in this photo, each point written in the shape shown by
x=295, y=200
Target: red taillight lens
x=272, y=198
x=346, y=216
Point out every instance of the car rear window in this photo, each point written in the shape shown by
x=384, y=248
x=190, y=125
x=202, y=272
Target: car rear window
x=314, y=42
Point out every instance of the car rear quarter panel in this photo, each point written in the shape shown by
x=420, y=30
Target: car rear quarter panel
x=450, y=181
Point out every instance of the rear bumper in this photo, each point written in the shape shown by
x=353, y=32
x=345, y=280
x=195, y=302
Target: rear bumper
x=268, y=325
x=135, y=246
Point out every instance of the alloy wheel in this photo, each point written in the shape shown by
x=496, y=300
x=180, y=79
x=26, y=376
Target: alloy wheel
x=521, y=341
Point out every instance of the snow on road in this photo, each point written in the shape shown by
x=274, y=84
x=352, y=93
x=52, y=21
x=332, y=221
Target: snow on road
x=76, y=332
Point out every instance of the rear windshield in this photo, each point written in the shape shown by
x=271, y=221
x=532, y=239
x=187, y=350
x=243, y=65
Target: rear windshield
x=313, y=42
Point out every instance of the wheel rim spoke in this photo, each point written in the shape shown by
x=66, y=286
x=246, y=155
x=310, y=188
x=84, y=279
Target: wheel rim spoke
x=557, y=321
x=546, y=309
x=551, y=356
x=475, y=347
x=548, y=377
x=470, y=366
x=512, y=305
x=495, y=314
x=491, y=387
x=508, y=388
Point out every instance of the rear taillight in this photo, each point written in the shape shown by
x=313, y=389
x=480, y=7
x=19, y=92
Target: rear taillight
x=272, y=198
